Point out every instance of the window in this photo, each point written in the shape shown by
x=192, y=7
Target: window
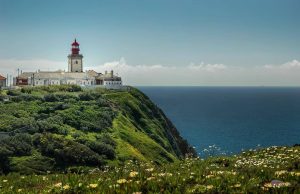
x=76, y=62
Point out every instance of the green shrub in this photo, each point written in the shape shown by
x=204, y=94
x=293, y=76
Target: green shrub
x=27, y=90
x=24, y=124
x=25, y=97
x=59, y=88
x=86, y=96
x=18, y=145
x=105, y=138
x=101, y=102
x=54, y=97
x=89, y=95
x=66, y=152
x=13, y=92
x=50, y=124
x=102, y=149
x=51, y=98
x=73, y=88
x=2, y=97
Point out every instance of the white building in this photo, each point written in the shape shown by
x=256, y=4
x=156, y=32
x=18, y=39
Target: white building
x=2, y=81
x=75, y=75
x=109, y=80
x=61, y=78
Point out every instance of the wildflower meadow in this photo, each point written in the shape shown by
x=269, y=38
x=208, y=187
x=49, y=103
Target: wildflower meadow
x=269, y=170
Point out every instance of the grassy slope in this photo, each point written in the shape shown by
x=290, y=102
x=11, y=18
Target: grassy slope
x=141, y=130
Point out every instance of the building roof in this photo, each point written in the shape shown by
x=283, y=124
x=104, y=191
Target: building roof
x=62, y=75
x=92, y=73
x=2, y=78
x=55, y=75
x=108, y=77
x=25, y=75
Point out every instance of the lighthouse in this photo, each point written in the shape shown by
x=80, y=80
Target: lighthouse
x=75, y=59
x=75, y=75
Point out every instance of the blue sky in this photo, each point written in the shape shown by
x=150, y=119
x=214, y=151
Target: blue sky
x=153, y=34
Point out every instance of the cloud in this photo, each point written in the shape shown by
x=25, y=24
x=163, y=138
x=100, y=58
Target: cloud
x=160, y=74
x=203, y=74
x=286, y=74
x=121, y=65
x=207, y=67
x=289, y=65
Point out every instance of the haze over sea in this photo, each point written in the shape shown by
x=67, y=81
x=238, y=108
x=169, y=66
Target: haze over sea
x=232, y=118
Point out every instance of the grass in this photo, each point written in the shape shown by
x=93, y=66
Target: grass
x=141, y=146
x=270, y=170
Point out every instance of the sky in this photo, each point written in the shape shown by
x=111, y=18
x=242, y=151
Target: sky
x=158, y=42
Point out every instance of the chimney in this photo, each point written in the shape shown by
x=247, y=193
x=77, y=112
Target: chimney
x=112, y=73
x=105, y=72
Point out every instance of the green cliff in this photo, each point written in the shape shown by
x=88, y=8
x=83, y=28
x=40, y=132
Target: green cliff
x=62, y=128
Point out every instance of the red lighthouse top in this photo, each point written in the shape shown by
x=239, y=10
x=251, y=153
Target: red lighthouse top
x=75, y=48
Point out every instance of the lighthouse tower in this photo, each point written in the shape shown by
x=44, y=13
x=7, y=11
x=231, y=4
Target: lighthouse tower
x=75, y=59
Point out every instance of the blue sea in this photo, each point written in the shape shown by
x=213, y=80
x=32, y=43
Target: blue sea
x=231, y=118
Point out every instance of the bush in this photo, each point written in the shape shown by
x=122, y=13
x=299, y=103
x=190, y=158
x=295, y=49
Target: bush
x=2, y=97
x=59, y=88
x=105, y=138
x=27, y=90
x=101, y=102
x=66, y=96
x=24, y=124
x=51, y=98
x=102, y=149
x=13, y=92
x=61, y=106
x=86, y=96
x=51, y=124
x=25, y=97
x=89, y=95
x=54, y=97
x=73, y=88
x=88, y=118
x=66, y=152
x=18, y=145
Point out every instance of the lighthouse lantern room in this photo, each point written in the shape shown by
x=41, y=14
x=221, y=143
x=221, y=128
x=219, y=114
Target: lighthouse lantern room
x=75, y=59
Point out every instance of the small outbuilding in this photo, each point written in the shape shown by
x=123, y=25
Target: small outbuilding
x=2, y=81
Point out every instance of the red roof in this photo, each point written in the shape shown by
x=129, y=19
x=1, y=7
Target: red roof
x=75, y=43
x=2, y=78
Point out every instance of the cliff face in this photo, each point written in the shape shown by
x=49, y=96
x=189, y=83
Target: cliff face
x=65, y=127
x=143, y=131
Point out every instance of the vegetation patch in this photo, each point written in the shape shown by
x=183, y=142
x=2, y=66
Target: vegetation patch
x=58, y=128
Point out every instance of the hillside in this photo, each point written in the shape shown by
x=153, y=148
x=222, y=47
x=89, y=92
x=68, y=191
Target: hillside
x=62, y=128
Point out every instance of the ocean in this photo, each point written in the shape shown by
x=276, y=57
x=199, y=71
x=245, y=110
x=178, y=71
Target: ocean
x=228, y=120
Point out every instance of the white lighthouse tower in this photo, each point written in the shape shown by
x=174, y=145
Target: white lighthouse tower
x=75, y=59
